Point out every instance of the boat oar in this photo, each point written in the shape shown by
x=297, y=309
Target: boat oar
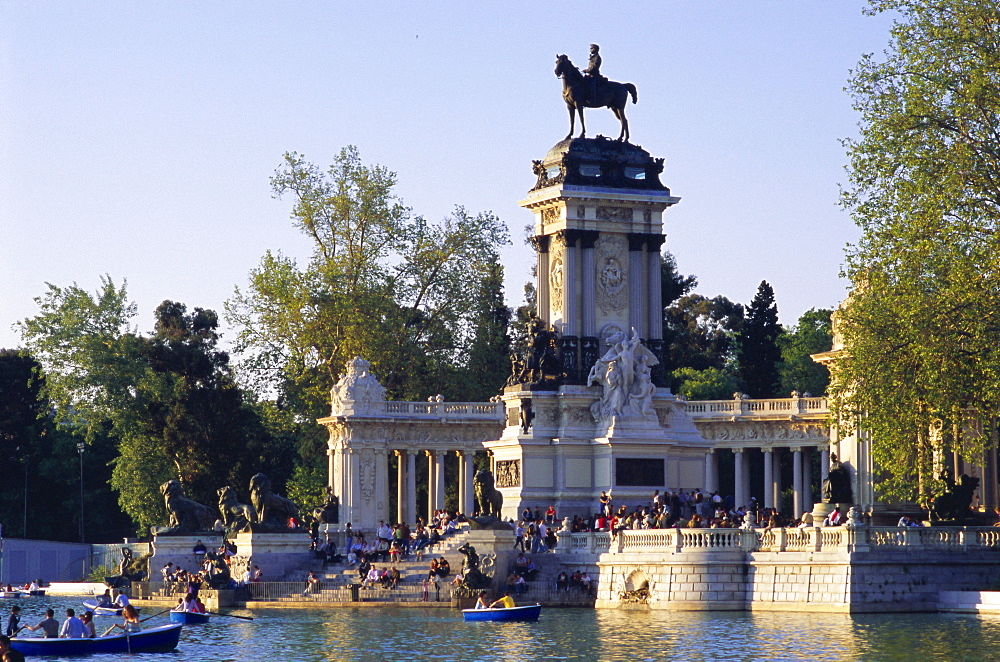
x=155, y=615
x=108, y=631
x=215, y=613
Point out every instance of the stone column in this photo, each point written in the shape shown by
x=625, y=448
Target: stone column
x=468, y=504
x=352, y=492
x=382, y=485
x=541, y=243
x=824, y=466
x=411, y=485
x=589, y=342
x=401, y=512
x=768, y=478
x=710, y=471
x=431, y=484
x=797, y=490
x=569, y=342
x=439, y=481
x=636, y=301
x=807, y=504
x=654, y=288
x=740, y=496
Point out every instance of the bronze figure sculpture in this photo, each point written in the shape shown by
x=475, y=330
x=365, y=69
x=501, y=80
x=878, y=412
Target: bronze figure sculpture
x=593, y=91
x=489, y=498
x=236, y=516
x=837, y=486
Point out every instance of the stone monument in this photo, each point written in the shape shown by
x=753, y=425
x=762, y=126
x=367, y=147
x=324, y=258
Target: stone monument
x=600, y=418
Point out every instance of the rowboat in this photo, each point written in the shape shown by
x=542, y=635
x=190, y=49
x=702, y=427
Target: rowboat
x=33, y=592
x=113, y=610
x=188, y=617
x=154, y=640
x=10, y=595
x=525, y=613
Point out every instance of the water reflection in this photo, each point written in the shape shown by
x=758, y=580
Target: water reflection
x=403, y=634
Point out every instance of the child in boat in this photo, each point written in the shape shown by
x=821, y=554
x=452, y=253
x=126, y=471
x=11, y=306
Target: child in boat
x=131, y=624
x=482, y=602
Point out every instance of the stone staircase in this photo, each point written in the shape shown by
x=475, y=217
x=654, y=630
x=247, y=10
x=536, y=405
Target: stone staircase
x=412, y=571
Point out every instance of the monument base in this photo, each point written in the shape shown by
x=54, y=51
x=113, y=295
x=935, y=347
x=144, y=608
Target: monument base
x=496, y=554
x=279, y=555
x=179, y=550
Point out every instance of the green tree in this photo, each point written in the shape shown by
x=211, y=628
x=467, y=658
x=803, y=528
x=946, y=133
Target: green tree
x=699, y=332
x=811, y=335
x=168, y=401
x=488, y=363
x=757, y=357
x=380, y=283
x=707, y=384
x=673, y=285
x=922, y=327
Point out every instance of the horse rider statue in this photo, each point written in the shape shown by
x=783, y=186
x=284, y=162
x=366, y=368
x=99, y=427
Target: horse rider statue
x=593, y=72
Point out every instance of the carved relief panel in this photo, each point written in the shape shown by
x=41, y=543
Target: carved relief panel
x=611, y=262
x=556, y=276
x=508, y=473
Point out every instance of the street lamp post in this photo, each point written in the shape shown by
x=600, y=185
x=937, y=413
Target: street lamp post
x=80, y=446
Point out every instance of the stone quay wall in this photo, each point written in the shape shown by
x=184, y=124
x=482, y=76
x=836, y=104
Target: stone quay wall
x=867, y=569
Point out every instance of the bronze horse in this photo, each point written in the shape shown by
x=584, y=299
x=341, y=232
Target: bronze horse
x=610, y=94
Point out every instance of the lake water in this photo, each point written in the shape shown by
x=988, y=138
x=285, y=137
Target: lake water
x=403, y=634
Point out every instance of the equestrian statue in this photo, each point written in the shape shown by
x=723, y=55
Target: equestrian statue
x=589, y=89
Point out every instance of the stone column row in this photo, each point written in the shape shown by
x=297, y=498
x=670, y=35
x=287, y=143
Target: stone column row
x=406, y=483
x=801, y=477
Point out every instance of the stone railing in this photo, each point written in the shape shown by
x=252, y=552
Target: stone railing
x=466, y=410
x=702, y=409
x=812, y=539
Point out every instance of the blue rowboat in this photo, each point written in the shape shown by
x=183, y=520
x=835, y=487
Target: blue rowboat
x=526, y=613
x=188, y=617
x=154, y=640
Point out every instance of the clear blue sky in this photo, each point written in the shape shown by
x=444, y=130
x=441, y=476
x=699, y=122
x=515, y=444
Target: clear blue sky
x=137, y=138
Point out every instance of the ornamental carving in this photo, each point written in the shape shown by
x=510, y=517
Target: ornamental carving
x=550, y=215
x=611, y=253
x=615, y=214
x=556, y=268
x=357, y=391
x=763, y=431
x=546, y=417
x=647, y=215
x=366, y=469
x=508, y=473
x=581, y=211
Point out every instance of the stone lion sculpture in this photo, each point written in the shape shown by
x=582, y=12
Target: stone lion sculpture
x=185, y=515
x=236, y=516
x=490, y=500
x=273, y=511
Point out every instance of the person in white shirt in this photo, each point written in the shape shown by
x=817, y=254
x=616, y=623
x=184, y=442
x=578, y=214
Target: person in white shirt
x=73, y=627
x=122, y=599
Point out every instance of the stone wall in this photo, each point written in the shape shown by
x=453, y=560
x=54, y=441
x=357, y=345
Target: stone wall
x=828, y=570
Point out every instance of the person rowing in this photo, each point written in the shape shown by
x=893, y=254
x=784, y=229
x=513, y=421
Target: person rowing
x=505, y=602
x=131, y=624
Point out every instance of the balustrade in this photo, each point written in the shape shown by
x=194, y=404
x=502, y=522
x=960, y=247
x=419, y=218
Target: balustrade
x=779, y=539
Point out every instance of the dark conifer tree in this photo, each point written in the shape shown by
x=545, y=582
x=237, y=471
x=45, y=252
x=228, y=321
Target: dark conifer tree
x=758, y=355
x=489, y=362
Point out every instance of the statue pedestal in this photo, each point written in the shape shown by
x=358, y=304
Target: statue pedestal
x=498, y=547
x=820, y=512
x=278, y=554
x=178, y=550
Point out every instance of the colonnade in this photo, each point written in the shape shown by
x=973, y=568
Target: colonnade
x=771, y=479
x=361, y=480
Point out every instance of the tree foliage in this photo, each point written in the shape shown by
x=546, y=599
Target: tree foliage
x=168, y=400
x=698, y=332
x=811, y=335
x=381, y=283
x=758, y=357
x=922, y=327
